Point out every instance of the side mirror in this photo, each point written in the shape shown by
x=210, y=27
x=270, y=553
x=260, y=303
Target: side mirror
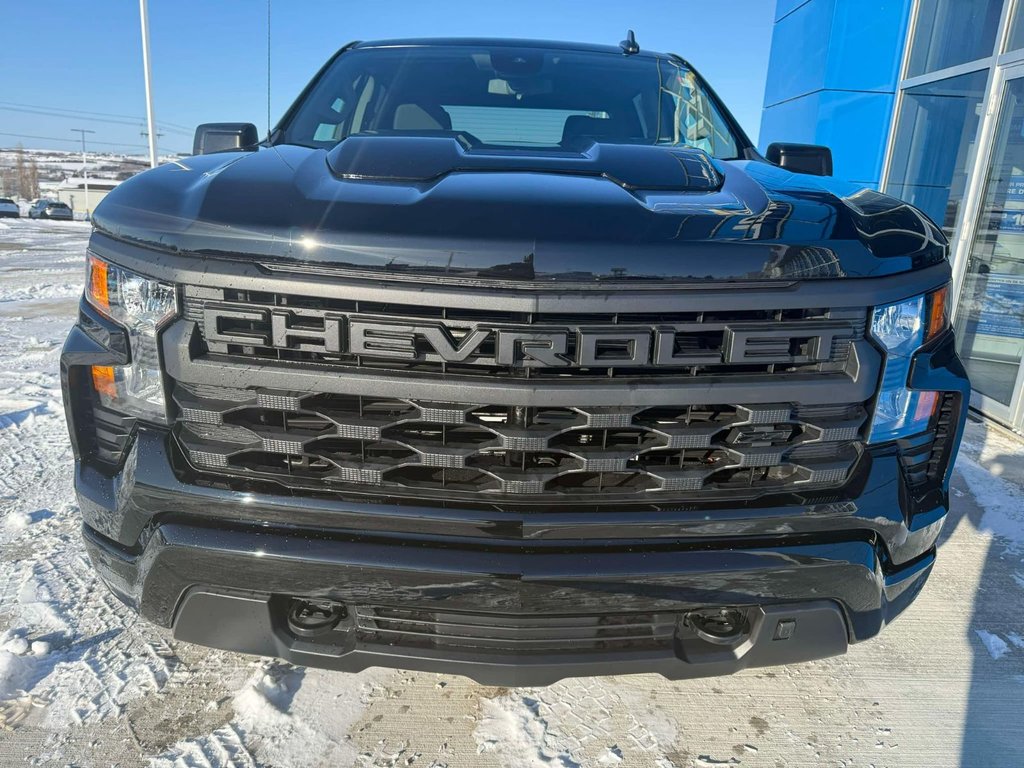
x=801, y=158
x=223, y=137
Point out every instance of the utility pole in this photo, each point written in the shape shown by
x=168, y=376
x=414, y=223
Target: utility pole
x=144, y=16
x=85, y=168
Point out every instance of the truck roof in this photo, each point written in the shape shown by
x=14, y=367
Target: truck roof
x=500, y=41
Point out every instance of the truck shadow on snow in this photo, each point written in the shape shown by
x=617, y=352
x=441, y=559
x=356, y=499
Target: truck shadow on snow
x=980, y=501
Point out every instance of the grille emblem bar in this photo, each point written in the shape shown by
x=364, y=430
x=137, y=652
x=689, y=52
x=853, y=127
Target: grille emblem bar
x=338, y=333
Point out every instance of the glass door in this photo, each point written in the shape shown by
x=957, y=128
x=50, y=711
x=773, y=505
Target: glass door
x=990, y=314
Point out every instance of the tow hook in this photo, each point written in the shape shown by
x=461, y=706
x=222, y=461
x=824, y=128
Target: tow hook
x=720, y=626
x=310, y=618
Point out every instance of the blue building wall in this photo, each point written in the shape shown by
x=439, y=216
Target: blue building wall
x=832, y=79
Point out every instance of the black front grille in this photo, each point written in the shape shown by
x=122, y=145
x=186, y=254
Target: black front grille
x=238, y=325
x=412, y=448
x=503, y=633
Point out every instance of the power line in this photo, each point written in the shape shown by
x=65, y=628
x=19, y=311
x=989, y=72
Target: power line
x=75, y=141
x=117, y=121
x=134, y=118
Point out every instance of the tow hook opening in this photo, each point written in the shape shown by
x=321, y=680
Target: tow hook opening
x=311, y=618
x=720, y=626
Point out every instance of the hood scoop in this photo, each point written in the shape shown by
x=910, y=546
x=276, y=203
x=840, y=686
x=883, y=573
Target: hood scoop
x=427, y=158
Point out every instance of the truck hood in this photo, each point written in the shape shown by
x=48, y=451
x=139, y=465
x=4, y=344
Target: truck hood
x=431, y=209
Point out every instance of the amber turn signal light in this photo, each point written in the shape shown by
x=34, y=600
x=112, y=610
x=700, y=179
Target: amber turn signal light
x=937, y=318
x=103, y=381
x=927, y=405
x=97, y=286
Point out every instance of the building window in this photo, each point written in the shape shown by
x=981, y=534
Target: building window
x=990, y=320
x=951, y=32
x=1016, y=38
x=935, y=144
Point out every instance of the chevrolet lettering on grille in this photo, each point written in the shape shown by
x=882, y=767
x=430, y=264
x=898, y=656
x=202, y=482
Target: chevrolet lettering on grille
x=518, y=346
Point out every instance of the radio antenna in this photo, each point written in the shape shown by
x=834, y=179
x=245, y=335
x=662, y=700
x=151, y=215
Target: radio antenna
x=268, y=68
x=629, y=46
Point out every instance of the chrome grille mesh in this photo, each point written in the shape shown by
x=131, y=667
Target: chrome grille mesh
x=397, y=446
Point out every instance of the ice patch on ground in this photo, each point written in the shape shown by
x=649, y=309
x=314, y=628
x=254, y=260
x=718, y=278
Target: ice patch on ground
x=994, y=644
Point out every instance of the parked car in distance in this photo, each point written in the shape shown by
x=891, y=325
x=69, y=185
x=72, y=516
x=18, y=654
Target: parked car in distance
x=9, y=209
x=50, y=209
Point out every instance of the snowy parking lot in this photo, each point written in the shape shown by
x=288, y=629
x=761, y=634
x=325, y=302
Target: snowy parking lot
x=83, y=683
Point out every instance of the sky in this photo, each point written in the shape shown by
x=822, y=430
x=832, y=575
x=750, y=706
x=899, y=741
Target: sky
x=66, y=65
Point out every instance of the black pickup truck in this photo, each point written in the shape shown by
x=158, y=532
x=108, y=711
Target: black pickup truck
x=512, y=359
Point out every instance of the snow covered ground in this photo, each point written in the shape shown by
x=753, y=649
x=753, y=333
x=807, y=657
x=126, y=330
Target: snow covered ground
x=83, y=683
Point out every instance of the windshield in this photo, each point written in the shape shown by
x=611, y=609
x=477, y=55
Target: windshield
x=498, y=96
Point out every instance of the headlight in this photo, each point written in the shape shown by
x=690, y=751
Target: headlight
x=142, y=306
x=902, y=329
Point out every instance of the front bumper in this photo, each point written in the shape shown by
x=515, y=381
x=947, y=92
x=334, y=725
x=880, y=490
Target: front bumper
x=219, y=567
x=230, y=588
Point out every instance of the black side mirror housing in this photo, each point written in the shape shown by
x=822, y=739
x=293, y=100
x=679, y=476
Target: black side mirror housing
x=224, y=137
x=811, y=159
